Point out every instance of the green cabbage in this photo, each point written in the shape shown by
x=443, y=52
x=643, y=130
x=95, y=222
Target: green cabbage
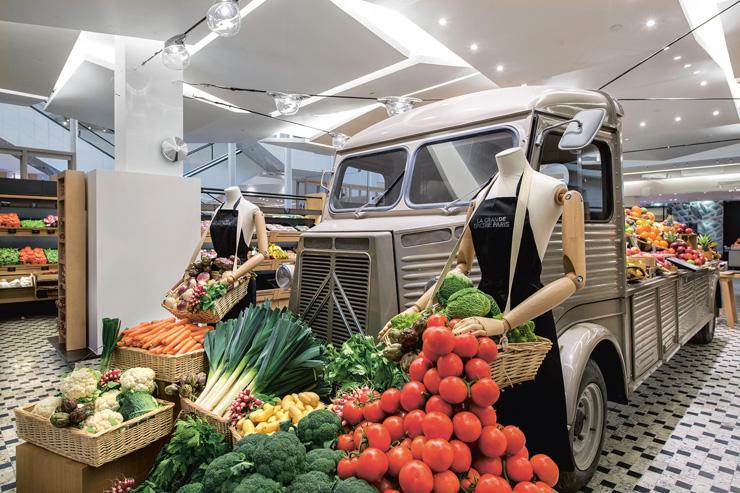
x=135, y=404
x=454, y=281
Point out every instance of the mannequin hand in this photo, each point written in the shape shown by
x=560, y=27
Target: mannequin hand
x=387, y=326
x=481, y=326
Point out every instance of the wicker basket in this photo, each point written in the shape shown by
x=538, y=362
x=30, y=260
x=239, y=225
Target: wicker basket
x=221, y=307
x=222, y=425
x=235, y=436
x=100, y=448
x=167, y=368
x=519, y=362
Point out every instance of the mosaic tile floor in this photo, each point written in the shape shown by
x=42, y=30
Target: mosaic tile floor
x=680, y=431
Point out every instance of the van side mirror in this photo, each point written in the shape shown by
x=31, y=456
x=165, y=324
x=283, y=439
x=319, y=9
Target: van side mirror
x=322, y=183
x=580, y=130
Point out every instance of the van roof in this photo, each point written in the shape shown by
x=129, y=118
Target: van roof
x=481, y=106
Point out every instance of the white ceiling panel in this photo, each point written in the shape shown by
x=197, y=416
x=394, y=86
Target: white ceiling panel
x=207, y=123
x=87, y=96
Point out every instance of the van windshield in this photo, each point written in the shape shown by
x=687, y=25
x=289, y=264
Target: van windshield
x=361, y=180
x=453, y=170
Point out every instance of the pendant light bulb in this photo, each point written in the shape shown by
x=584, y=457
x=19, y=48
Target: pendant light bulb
x=224, y=18
x=175, y=54
x=339, y=140
x=395, y=105
x=287, y=104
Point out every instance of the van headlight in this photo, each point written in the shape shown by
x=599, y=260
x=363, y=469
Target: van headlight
x=284, y=275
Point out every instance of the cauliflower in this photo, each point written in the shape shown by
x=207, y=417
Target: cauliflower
x=107, y=400
x=138, y=380
x=82, y=383
x=46, y=407
x=103, y=420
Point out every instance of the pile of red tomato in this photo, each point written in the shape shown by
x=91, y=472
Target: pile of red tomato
x=439, y=433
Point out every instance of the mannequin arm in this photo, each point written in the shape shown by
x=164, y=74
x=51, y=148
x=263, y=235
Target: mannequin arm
x=555, y=293
x=262, y=255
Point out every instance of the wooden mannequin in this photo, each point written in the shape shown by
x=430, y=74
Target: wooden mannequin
x=549, y=200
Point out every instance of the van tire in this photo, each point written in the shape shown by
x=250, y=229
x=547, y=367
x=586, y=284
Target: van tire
x=706, y=334
x=591, y=398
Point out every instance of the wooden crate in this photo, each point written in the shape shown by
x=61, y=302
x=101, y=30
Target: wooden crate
x=647, y=262
x=166, y=367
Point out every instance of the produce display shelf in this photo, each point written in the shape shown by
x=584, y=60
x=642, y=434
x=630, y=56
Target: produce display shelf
x=48, y=198
x=283, y=236
x=5, y=231
x=27, y=268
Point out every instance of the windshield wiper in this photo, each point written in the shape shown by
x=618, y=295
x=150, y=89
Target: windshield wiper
x=447, y=208
x=359, y=211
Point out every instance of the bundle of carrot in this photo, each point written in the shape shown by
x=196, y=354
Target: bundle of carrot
x=167, y=336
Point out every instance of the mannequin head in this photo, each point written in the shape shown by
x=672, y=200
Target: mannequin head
x=232, y=195
x=511, y=162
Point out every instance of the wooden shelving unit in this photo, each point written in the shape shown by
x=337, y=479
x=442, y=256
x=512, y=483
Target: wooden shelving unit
x=72, y=303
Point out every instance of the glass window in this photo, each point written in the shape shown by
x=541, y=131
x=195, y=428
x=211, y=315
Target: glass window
x=456, y=169
x=373, y=179
x=588, y=171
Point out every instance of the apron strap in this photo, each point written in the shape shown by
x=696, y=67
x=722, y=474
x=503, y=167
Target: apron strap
x=239, y=219
x=522, y=200
x=203, y=235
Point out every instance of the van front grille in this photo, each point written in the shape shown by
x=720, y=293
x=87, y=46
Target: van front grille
x=334, y=293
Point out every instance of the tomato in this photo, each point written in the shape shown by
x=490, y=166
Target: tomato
x=391, y=491
x=390, y=401
x=467, y=426
x=378, y=437
x=489, y=465
x=492, y=442
x=437, y=425
x=412, y=423
x=453, y=390
x=436, y=403
x=468, y=482
x=485, y=392
x=406, y=442
x=488, y=483
x=359, y=435
x=544, y=487
x=397, y=458
x=412, y=396
x=523, y=452
x=368, y=396
x=463, y=456
x=487, y=349
x=431, y=380
x=515, y=439
x=438, y=454
x=519, y=469
x=439, y=340
x=417, y=446
x=449, y=365
x=477, y=368
x=416, y=477
x=394, y=425
x=384, y=485
x=345, y=443
x=372, y=465
x=446, y=482
x=373, y=412
x=545, y=469
x=346, y=468
x=486, y=415
x=527, y=487
x=352, y=412
x=418, y=368
x=437, y=320
x=453, y=322
x=466, y=345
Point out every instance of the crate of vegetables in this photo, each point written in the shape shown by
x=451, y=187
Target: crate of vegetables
x=221, y=424
x=172, y=348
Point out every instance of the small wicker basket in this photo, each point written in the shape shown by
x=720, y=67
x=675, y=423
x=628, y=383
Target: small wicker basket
x=222, y=425
x=519, y=362
x=100, y=448
x=221, y=307
x=235, y=436
x=168, y=368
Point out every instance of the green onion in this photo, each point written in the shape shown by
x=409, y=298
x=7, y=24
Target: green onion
x=111, y=336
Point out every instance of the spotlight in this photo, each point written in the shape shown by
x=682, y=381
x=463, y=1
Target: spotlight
x=395, y=105
x=287, y=104
x=224, y=18
x=339, y=140
x=175, y=54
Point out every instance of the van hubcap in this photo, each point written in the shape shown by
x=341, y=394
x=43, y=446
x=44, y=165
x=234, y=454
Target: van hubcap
x=588, y=426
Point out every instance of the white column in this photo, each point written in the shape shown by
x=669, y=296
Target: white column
x=288, y=187
x=148, y=108
x=73, y=133
x=231, y=150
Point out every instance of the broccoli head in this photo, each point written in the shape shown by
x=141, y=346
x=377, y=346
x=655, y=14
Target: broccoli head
x=257, y=483
x=318, y=428
x=282, y=457
x=191, y=488
x=249, y=444
x=227, y=469
x=453, y=282
x=311, y=482
x=323, y=460
x=470, y=302
x=354, y=485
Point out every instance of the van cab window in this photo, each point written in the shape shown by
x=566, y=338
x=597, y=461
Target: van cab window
x=455, y=169
x=588, y=171
x=371, y=180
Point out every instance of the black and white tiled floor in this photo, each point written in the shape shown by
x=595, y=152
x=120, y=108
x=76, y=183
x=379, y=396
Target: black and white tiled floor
x=680, y=431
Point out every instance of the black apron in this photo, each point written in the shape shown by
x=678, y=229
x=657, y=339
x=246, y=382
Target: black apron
x=538, y=406
x=223, y=236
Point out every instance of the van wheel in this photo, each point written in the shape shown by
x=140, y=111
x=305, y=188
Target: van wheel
x=587, y=432
x=706, y=334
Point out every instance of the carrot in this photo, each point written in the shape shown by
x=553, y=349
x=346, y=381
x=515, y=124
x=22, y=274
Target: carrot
x=174, y=334
x=180, y=338
x=189, y=346
x=199, y=338
x=155, y=336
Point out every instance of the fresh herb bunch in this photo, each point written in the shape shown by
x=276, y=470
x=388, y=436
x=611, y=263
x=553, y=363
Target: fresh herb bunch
x=212, y=293
x=359, y=361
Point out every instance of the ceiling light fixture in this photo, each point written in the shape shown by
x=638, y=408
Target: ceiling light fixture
x=339, y=140
x=688, y=65
x=499, y=68
x=395, y=105
x=666, y=48
x=642, y=124
x=224, y=18
x=677, y=57
x=287, y=103
x=442, y=21
x=715, y=112
x=678, y=119
x=696, y=72
x=175, y=54
x=703, y=83
x=650, y=23
x=474, y=47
